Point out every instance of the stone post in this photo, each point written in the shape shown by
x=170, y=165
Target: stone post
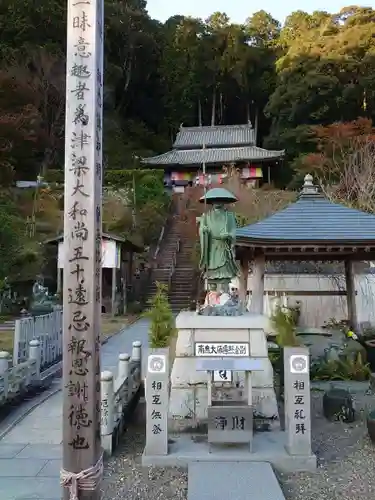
x=157, y=399
x=4, y=367
x=17, y=340
x=137, y=351
x=137, y=355
x=4, y=362
x=107, y=410
x=34, y=353
x=297, y=400
x=123, y=366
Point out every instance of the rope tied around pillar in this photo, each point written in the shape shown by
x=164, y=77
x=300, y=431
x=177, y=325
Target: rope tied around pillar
x=86, y=480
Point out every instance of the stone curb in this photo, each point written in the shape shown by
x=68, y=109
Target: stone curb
x=43, y=398
x=24, y=412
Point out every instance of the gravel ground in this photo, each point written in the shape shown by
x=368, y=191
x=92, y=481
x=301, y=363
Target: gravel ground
x=346, y=458
x=346, y=464
x=125, y=478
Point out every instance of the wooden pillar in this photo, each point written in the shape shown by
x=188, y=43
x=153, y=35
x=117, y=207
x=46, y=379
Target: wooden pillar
x=129, y=272
x=59, y=280
x=257, y=296
x=123, y=281
x=269, y=174
x=82, y=463
x=114, y=286
x=350, y=295
x=244, y=262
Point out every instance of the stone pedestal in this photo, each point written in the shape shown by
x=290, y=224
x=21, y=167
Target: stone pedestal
x=189, y=398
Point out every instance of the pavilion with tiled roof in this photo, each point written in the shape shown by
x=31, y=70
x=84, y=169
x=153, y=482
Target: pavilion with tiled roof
x=214, y=147
x=311, y=229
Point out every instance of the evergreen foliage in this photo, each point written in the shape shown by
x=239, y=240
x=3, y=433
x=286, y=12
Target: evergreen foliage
x=162, y=321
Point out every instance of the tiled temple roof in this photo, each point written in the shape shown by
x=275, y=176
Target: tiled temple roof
x=213, y=155
x=312, y=218
x=215, y=136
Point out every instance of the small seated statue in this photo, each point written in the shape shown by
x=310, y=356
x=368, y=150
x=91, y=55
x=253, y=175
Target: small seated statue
x=41, y=301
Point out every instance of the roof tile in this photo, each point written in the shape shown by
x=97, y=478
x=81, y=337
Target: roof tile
x=219, y=135
x=214, y=155
x=313, y=218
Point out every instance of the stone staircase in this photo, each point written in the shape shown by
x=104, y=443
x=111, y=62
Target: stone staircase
x=175, y=252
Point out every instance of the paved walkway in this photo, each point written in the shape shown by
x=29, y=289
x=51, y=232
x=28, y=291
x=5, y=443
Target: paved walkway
x=30, y=454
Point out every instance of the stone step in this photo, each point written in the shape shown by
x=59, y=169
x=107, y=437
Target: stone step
x=232, y=480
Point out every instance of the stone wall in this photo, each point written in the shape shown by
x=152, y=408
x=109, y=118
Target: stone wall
x=188, y=398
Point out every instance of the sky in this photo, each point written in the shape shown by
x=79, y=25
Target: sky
x=239, y=10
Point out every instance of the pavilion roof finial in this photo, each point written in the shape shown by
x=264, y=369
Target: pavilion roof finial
x=308, y=186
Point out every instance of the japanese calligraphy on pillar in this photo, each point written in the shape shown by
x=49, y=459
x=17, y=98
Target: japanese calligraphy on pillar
x=82, y=234
x=157, y=379
x=297, y=400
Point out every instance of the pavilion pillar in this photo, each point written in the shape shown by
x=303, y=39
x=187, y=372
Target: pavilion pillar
x=114, y=286
x=59, y=280
x=243, y=280
x=350, y=295
x=123, y=288
x=257, y=297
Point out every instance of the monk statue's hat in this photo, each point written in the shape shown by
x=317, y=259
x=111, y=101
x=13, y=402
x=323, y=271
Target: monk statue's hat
x=218, y=195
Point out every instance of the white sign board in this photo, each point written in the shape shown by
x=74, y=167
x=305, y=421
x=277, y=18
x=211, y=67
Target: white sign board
x=110, y=254
x=223, y=376
x=219, y=349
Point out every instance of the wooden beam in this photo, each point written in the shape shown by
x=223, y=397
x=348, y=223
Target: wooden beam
x=82, y=251
x=257, y=288
x=281, y=256
x=113, y=295
x=244, y=263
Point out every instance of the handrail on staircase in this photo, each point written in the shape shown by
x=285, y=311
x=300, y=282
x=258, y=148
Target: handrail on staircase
x=164, y=229
x=174, y=262
x=159, y=242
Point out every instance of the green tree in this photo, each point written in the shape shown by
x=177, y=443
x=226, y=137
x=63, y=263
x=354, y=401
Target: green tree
x=162, y=320
x=11, y=237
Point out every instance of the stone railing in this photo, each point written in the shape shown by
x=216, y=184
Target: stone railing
x=18, y=379
x=47, y=329
x=119, y=396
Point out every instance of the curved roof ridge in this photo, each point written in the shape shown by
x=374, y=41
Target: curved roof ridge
x=215, y=127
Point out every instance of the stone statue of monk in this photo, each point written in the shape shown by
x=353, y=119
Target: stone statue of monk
x=217, y=232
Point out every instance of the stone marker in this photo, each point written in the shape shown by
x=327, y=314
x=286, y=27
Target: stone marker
x=230, y=424
x=157, y=400
x=297, y=400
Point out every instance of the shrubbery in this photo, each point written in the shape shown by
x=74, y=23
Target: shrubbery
x=162, y=321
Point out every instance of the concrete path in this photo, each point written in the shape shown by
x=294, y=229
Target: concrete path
x=234, y=480
x=30, y=453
